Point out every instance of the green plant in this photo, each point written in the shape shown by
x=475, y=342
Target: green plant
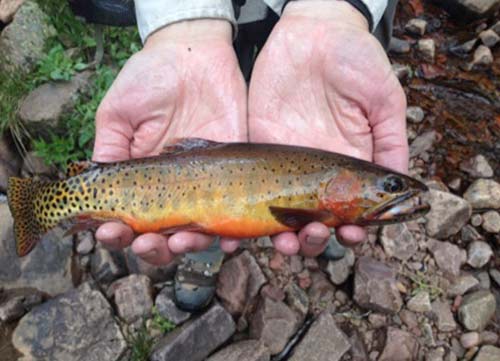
x=161, y=323
x=422, y=282
x=57, y=65
x=140, y=343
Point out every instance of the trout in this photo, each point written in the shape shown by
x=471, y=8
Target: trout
x=237, y=190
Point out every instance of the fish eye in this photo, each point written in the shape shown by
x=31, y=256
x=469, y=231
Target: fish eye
x=394, y=184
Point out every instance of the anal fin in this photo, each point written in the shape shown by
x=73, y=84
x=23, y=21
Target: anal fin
x=297, y=218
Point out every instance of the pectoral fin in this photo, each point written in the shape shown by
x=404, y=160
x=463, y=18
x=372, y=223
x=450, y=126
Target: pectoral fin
x=297, y=218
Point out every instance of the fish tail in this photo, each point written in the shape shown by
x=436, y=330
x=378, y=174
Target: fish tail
x=27, y=229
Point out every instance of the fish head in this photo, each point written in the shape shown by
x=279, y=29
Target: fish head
x=373, y=196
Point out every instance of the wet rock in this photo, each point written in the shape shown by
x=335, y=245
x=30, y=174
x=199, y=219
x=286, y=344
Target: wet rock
x=476, y=310
x=375, y=286
x=35, y=165
x=489, y=38
x=415, y=114
x=167, y=308
x=324, y=341
x=23, y=41
x=483, y=193
x=133, y=297
x=482, y=57
x=239, y=282
x=47, y=268
x=427, y=49
x=86, y=242
x=399, y=345
x=46, y=104
x=15, y=303
x=107, y=266
x=297, y=300
x=444, y=318
x=448, y=214
x=477, y=167
x=196, y=339
x=398, y=241
x=421, y=302
x=248, y=350
x=479, y=254
x=462, y=284
x=8, y=8
x=78, y=325
x=273, y=323
x=401, y=71
x=488, y=353
x=469, y=339
x=422, y=143
x=340, y=270
x=399, y=46
x=491, y=222
x=448, y=256
x=416, y=26
x=334, y=250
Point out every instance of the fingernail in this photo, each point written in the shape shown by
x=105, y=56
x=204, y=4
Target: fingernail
x=149, y=254
x=315, y=240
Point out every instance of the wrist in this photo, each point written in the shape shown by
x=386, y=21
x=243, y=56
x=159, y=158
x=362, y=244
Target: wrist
x=340, y=12
x=199, y=30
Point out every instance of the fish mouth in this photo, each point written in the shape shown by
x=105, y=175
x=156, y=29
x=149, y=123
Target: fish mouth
x=403, y=208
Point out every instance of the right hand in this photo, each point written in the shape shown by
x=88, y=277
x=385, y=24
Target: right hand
x=185, y=82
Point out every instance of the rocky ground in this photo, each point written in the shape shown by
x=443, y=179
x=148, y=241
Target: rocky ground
x=424, y=290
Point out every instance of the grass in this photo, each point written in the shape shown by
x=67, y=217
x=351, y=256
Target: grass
x=424, y=283
x=70, y=51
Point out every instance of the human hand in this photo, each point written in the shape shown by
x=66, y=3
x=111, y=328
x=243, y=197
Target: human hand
x=322, y=80
x=185, y=82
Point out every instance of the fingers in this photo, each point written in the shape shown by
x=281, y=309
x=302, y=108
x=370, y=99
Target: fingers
x=183, y=242
x=313, y=239
x=351, y=235
x=115, y=235
x=286, y=243
x=153, y=248
x=229, y=245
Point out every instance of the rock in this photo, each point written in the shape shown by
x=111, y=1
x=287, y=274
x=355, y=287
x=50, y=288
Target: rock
x=8, y=8
x=334, y=250
x=239, y=282
x=469, y=233
x=107, y=266
x=483, y=193
x=427, y=49
x=401, y=71
x=167, y=308
x=482, y=57
x=469, y=340
x=488, y=353
x=196, y=339
x=6, y=171
x=340, y=270
x=375, y=286
x=78, y=325
x=489, y=38
x=14, y=304
x=35, y=165
x=476, y=310
x=415, y=114
x=478, y=254
x=477, y=167
x=444, y=318
x=133, y=297
x=324, y=341
x=448, y=256
x=471, y=9
x=86, y=242
x=491, y=222
x=476, y=220
x=23, y=41
x=272, y=292
x=273, y=323
x=496, y=27
x=297, y=300
x=484, y=280
x=248, y=350
x=422, y=143
x=436, y=354
x=398, y=241
x=45, y=105
x=489, y=337
x=47, y=268
x=399, y=46
x=421, y=302
x=448, y=214
x=399, y=345
x=462, y=285
x=495, y=275
x=416, y=26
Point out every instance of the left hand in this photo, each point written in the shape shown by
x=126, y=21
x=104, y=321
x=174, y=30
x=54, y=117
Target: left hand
x=322, y=80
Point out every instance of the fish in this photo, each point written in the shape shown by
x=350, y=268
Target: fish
x=237, y=190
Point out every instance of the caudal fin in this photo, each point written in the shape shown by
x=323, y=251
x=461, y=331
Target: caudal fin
x=27, y=230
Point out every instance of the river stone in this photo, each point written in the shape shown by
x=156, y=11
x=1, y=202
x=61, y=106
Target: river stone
x=448, y=214
x=23, y=41
x=248, y=350
x=77, y=325
x=477, y=167
x=471, y=9
x=422, y=143
x=133, y=297
x=421, y=302
x=444, y=318
x=399, y=46
x=399, y=345
x=489, y=38
x=461, y=285
x=167, y=308
x=416, y=26
x=479, y=254
x=340, y=270
x=488, y=353
x=6, y=171
x=324, y=341
x=448, y=256
x=47, y=268
x=398, y=241
x=491, y=222
x=427, y=49
x=15, y=303
x=196, y=339
x=375, y=286
x=415, y=114
x=483, y=193
x=476, y=310
x=107, y=266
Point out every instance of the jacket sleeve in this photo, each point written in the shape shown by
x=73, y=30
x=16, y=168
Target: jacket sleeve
x=153, y=15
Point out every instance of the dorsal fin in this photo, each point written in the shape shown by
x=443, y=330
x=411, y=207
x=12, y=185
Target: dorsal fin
x=185, y=144
x=75, y=168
